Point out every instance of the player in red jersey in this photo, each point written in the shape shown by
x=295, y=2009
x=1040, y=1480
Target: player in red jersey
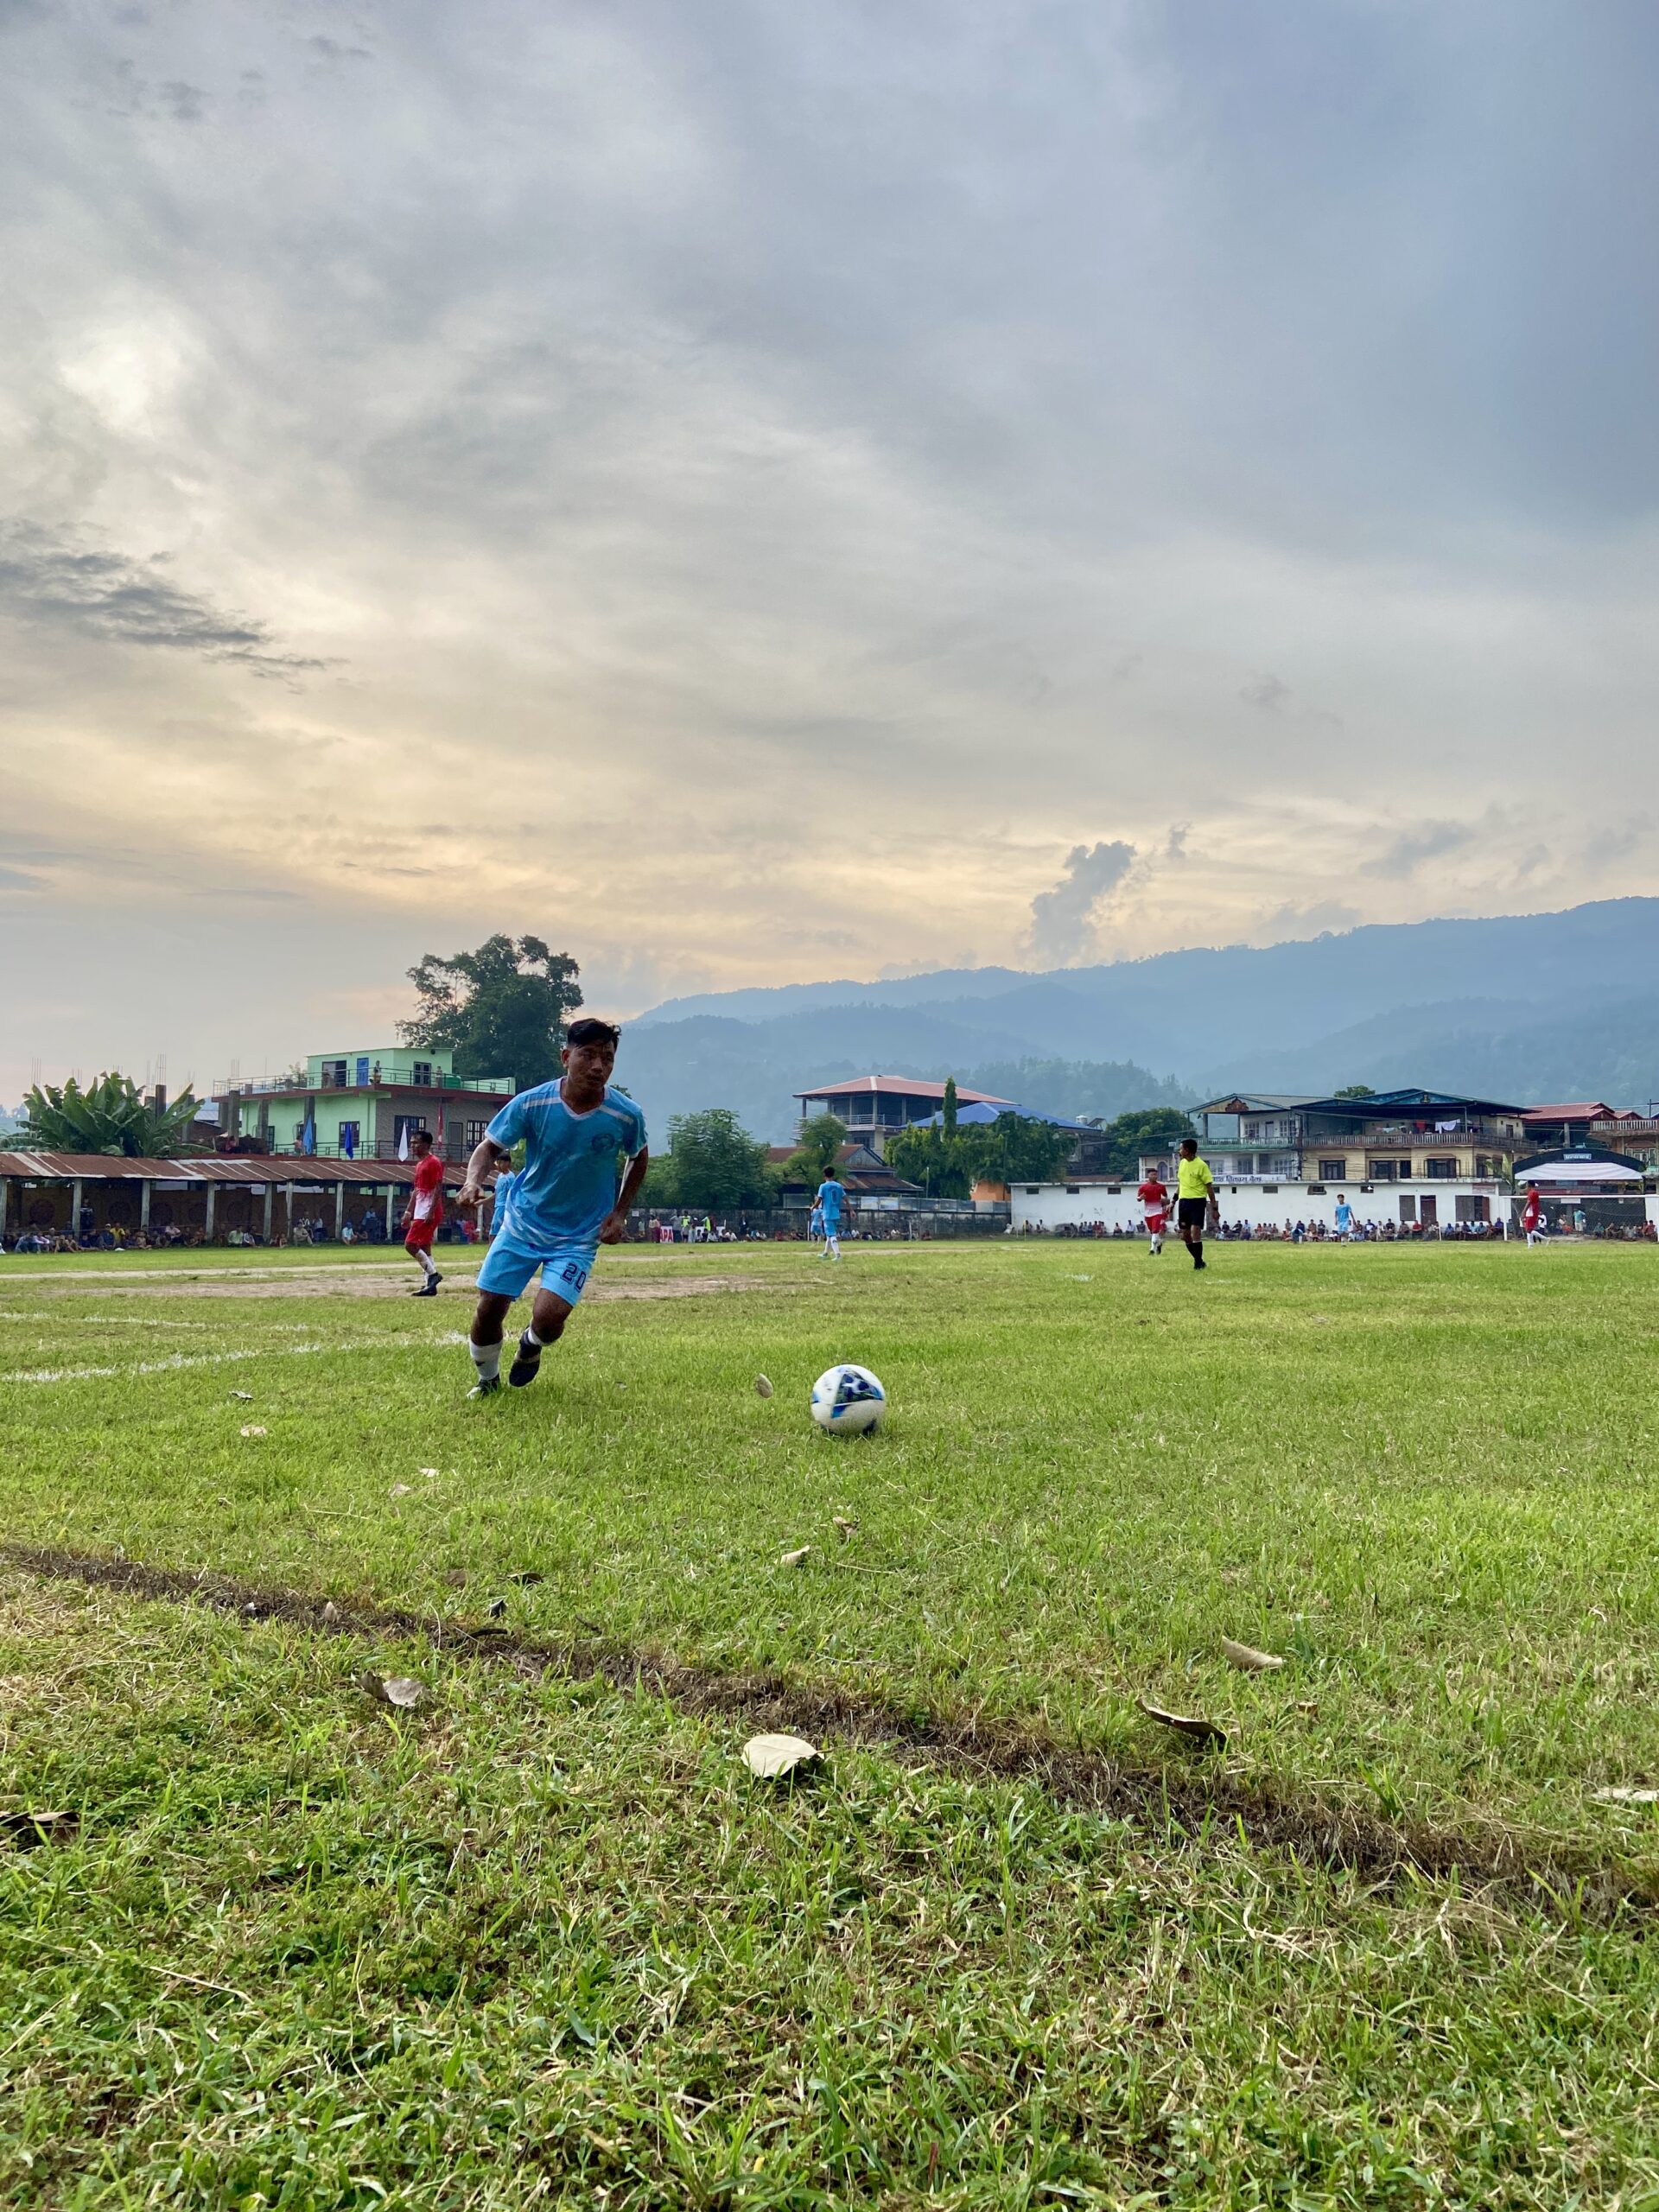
x=1532, y=1216
x=424, y=1210
x=1155, y=1210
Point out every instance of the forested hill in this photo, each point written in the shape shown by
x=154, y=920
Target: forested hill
x=1522, y=1006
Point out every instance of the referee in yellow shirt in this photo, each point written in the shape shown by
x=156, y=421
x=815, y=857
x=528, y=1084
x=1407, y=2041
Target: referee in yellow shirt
x=1195, y=1196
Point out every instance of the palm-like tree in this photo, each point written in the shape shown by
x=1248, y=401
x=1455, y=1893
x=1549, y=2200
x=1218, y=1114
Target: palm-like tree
x=110, y=1115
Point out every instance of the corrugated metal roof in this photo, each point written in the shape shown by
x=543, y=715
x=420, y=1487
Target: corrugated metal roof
x=897, y=1086
x=238, y=1167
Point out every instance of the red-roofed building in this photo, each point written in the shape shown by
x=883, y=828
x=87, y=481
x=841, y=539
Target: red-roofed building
x=873, y=1107
x=1567, y=1124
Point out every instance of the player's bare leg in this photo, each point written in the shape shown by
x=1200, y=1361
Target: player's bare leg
x=547, y=1319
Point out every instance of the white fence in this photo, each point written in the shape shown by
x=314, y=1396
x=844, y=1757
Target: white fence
x=1055, y=1206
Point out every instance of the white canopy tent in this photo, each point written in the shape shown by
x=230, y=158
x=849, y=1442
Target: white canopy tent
x=1577, y=1171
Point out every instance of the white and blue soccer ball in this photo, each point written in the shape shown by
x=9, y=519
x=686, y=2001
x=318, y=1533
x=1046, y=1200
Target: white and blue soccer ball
x=847, y=1401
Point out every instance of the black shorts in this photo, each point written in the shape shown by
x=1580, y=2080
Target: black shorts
x=1192, y=1213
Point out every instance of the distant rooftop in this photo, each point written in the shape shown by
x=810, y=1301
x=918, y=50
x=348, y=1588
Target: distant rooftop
x=897, y=1086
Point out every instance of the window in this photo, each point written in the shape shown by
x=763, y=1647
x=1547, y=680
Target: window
x=1316, y=1190
x=1474, y=1210
x=476, y=1133
x=1440, y=1171
x=1332, y=1170
x=1032, y=1190
x=404, y=1124
x=421, y=1075
x=1252, y=1132
x=1407, y=1209
x=351, y=1138
x=333, y=1075
x=1485, y=1167
x=1072, y=1190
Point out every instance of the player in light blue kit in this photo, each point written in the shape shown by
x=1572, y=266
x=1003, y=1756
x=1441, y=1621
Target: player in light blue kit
x=1345, y=1218
x=565, y=1200
x=830, y=1200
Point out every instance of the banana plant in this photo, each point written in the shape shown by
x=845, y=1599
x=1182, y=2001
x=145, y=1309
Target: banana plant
x=110, y=1116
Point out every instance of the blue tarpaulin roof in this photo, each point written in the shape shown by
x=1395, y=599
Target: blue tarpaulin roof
x=970, y=1116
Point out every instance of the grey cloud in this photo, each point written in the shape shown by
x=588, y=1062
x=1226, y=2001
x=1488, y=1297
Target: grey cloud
x=184, y=102
x=1607, y=845
x=1320, y=917
x=17, y=879
x=1175, y=843
x=49, y=581
x=1266, y=691
x=330, y=49
x=1062, y=920
x=1427, y=841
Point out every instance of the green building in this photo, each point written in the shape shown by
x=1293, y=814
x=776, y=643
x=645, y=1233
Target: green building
x=362, y=1105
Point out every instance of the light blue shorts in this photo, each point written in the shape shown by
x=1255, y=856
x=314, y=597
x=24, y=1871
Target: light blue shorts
x=510, y=1265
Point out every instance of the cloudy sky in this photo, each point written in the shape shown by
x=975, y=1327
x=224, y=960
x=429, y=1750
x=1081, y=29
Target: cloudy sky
x=755, y=493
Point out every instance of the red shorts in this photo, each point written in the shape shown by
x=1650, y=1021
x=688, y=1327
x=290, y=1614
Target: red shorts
x=418, y=1235
x=1155, y=1222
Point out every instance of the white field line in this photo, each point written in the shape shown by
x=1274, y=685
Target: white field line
x=180, y=1359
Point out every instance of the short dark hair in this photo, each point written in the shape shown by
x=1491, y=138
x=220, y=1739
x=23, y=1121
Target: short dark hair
x=420, y=1136
x=592, y=1031
x=1189, y=1140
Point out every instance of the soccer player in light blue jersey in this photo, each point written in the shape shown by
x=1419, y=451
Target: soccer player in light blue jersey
x=830, y=1200
x=571, y=1195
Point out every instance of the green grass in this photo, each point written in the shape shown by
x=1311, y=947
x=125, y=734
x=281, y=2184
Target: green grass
x=545, y=1937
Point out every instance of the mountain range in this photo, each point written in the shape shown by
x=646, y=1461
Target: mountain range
x=1523, y=1008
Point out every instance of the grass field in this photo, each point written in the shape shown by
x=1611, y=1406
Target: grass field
x=1012, y=1943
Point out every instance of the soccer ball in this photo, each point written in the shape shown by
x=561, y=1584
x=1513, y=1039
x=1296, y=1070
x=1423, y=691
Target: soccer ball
x=847, y=1399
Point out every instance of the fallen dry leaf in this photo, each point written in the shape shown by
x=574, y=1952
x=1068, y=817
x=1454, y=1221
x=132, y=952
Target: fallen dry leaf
x=27, y=1830
x=794, y=1559
x=251, y=1428
x=762, y=1387
x=1247, y=1657
x=429, y=1473
x=331, y=1612
x=246, y=1397
x=1189, y=1723
x=847, y=1528
x=770, y=1757
x=1628, y=1797
x=496, y=1607
x=526, y=1578
x=400, y=1490
x=400, y=1690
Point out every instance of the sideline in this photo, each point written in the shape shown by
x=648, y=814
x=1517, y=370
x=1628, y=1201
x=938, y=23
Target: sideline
x=1190, y=1799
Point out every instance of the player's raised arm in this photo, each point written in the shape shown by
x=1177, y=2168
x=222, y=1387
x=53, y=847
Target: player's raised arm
x=485, y=1158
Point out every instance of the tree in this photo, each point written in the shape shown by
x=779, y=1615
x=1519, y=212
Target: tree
x=713, y=1164
x=1012, y=1149
x=1160, y=1129
x=109, y=1116
x=1355, y=1091
x=501, y=1010
x=923, y=1155
x=820, y=1141
x=948, y=1115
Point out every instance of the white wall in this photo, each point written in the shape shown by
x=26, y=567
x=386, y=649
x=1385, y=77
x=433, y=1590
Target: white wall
x=1052, y=1204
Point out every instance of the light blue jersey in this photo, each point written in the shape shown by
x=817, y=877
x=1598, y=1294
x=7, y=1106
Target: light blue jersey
x=830, y=1200
x=1345, y=1218
x=568, y=1181
x=503, y=1182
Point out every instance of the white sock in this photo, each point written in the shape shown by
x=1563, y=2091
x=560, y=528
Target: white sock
x=487, y=1358
x=540, y=1343
x=425, y=1259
